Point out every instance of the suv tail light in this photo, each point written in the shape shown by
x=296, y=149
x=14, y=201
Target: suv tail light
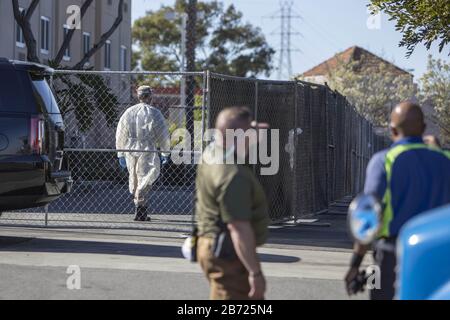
x=37, y=133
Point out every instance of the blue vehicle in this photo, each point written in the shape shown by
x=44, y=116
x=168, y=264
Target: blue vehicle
x=423, y=248
x=423, y=255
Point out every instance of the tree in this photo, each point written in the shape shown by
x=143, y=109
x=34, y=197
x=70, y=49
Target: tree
x=78, y=93
x=435, y=89
x=23, y=20
x=224, y=42
x=373, y=89
x=420, y=21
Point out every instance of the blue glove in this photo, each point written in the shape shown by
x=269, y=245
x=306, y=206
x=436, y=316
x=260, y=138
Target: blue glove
x=123, y=163
x=164, y=160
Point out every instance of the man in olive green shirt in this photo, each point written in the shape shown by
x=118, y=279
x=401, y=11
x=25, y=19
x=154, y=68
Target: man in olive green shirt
x=231, y=201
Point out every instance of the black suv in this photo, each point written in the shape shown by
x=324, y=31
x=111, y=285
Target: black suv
x=33, y=168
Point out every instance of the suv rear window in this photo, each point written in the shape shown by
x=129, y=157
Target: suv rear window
x=45, y=96
x=12, y=97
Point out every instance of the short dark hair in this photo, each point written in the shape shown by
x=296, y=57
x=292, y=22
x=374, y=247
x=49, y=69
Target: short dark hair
x=239, y=113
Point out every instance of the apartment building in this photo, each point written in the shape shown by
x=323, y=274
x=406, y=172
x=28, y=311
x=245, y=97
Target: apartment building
x=49, y=23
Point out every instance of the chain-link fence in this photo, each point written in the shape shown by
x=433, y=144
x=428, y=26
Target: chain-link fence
x=324, y=146
x=92, y=104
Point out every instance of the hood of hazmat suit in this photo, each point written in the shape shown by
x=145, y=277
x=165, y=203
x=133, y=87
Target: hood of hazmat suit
x=142, y=128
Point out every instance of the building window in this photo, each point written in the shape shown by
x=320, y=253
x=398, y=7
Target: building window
x=67, y=51
x=86, y=42
x=123, y=58
x=45, y=35
x=20, y=41
x=108, y=55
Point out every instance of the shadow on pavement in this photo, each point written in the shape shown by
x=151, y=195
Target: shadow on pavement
x=335, y=235
x=14, y=244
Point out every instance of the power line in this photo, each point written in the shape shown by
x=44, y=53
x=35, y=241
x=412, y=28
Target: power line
x=286, y=14
x=327, y=38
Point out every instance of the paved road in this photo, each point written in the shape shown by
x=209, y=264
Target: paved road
x=50, y=283
x=114, y=265
x=305, y=261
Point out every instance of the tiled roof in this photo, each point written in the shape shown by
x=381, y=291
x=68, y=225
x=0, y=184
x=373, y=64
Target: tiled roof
x=351, y=54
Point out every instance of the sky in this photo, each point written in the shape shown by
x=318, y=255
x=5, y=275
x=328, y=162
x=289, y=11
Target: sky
x=326, y=27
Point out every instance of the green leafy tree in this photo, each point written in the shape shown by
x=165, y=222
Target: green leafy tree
x=435, y=89
x=420, y=21
x=225, y=43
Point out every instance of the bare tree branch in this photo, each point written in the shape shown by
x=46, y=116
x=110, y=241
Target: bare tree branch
x=31, y=9
x=23, y=20
x=103, y=38
x=16, y=10
x=68, y=37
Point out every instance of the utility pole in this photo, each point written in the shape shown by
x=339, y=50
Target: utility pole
x=184, y=19
x=172, y=16
x=286, y=14
x=191, y=43
x=187, y=57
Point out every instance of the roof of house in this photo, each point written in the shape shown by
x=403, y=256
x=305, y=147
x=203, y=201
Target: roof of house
x=351, y=54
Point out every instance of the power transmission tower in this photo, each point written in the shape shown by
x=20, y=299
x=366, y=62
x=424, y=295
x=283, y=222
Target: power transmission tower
x=286, y=14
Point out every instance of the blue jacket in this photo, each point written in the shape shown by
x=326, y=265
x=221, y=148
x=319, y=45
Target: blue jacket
x=420, y=182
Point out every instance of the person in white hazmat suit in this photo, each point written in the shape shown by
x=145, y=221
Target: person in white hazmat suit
x=142, y=128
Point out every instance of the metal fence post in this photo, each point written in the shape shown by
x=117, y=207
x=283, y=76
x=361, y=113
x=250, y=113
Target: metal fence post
x=51, y=81
x=295, y=142
x=208, y=99
x=256, y=111
x=46, y=215
x=204, y=102
x=256, y=99
x=327, y=174
x=311, y=158
x=361, y=151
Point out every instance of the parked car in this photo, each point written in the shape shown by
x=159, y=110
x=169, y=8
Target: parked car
x=33, y=168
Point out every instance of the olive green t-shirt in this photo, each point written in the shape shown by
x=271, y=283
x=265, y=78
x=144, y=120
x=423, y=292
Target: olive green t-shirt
x=233, y=192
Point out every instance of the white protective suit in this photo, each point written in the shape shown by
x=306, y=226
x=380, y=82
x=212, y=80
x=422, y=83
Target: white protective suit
x=142, y=127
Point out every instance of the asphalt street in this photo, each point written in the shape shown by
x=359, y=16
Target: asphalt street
x=306, y=261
